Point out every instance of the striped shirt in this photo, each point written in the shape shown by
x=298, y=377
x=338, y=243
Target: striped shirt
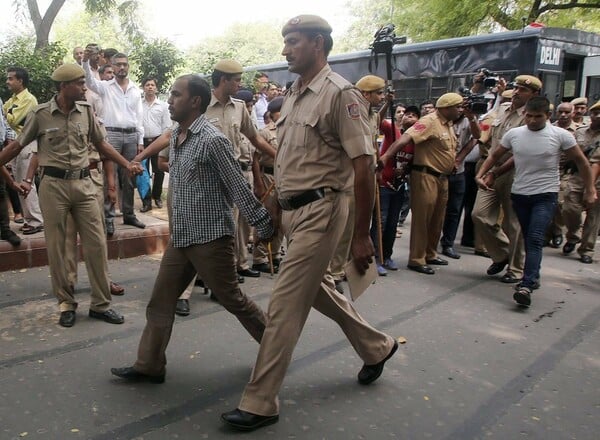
x=206, y=181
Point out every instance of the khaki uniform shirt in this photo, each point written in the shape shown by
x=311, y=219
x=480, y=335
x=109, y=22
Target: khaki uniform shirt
x=269, y=134
x=505, y=120
x=586, y=138
x=322, y=127
x=63, y=140
x=231, y=119
x=435, y=142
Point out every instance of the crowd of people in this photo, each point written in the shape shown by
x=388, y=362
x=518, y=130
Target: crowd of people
x=312, y=176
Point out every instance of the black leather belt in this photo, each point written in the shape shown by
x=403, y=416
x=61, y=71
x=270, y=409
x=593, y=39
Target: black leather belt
x=427, y=170
x=121, y=130
x=59, y=173
x=267, y=170
x=244, y=166
x=300, y=200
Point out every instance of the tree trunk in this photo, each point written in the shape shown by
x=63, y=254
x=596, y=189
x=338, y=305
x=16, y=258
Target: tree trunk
x=42, y=25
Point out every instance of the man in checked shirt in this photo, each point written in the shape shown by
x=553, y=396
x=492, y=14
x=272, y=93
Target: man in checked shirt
x=203, y=173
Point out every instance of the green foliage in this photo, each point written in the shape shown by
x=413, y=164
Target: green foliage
x=247, y=43
x=159, y=59
x=40, y=65
x=429, y=20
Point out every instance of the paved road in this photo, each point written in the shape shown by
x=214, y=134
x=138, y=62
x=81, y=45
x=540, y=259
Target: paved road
x=474, y=365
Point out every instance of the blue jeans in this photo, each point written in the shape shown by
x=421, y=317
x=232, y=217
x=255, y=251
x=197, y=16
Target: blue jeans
x=456, y=198
x=391, y=203
x=534, y=213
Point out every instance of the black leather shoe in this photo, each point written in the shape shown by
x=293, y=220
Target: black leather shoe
x=110, y=228
x=241, y=279
x=67, y=318
x=586, y=259
x=509, y=278
x=147, y=206
x=158, y=203
x=133, y=221
x=523, y=296
x=109, y=316
x=450, y=252
x=11, y=237
x=556, y=241
x=128, y=373
x=245, y=421
x=264, y=267
x=370, y=373
x=568, y=248
x=437, y=261
x=183, y=307
x=421, y=268
x=249, y=273
x=496, y=268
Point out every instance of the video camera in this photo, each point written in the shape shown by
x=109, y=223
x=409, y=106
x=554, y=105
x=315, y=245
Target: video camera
x=490, y=79
x=385, y=38
x=476, y=102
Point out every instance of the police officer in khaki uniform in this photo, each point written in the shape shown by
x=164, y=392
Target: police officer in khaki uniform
x=64, y=127
x=323, y=139
x=262, y=185
x=230, y=116
x=579, y=111
x=505, y=244
x=588, y=139
x=435, y=154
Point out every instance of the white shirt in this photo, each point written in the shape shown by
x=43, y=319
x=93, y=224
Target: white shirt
x=156, y=117
x=121, y=109
x=536, y=155
x=261, y=108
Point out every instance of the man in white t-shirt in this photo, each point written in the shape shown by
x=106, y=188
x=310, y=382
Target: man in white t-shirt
x=536, y=149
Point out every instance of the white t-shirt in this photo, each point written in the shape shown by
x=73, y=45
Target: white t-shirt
x=536, y=155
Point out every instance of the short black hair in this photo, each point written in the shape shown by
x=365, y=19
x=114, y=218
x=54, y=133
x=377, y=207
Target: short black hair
x=103, y=68
x=198, y=86
x=327, y=40
x=20, y=74
x=118, y=55
x=150, y=78
x=109, y=53
x=538, y=104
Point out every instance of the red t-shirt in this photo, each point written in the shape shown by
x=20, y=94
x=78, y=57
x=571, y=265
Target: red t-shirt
x=403, y=157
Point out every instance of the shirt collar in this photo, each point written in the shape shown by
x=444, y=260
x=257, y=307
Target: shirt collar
x=21, y=95
x=316, y=84
x=55, y=108
x=214, y=101
x=195, y=127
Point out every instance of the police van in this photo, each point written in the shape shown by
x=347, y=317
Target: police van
x=566, y=60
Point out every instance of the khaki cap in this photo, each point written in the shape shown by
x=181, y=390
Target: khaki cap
x=596, y=106
x=229, y=66
x=529, y=81
x=303, y=23
x=582, y=100
x=370, y=83
x=449, y=100
x=68, y=72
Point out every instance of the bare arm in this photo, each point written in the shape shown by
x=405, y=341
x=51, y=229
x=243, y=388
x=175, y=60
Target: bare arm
x=159, y=144
x=108, y=151
x=399, y=144
x=491, y=160
x=362, y=248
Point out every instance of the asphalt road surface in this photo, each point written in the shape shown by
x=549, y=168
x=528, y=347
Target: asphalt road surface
x=474, y=365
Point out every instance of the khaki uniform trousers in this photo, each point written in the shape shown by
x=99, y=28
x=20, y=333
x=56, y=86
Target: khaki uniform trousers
x=313, y=232
x=502, y=243
x=260, y=252
x=573, y=207
x=428, y=198
x=214, y=263
x=242, y=233
x=342, y=252
x=59, y=199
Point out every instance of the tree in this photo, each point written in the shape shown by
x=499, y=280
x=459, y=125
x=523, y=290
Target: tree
x=436, y=19
x=127, y=10
x=158, y=59
x=247, y=43
x=39, y=64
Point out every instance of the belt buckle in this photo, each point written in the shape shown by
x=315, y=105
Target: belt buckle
x=70, y=174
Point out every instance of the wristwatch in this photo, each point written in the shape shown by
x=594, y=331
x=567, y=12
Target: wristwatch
x=28, y=181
